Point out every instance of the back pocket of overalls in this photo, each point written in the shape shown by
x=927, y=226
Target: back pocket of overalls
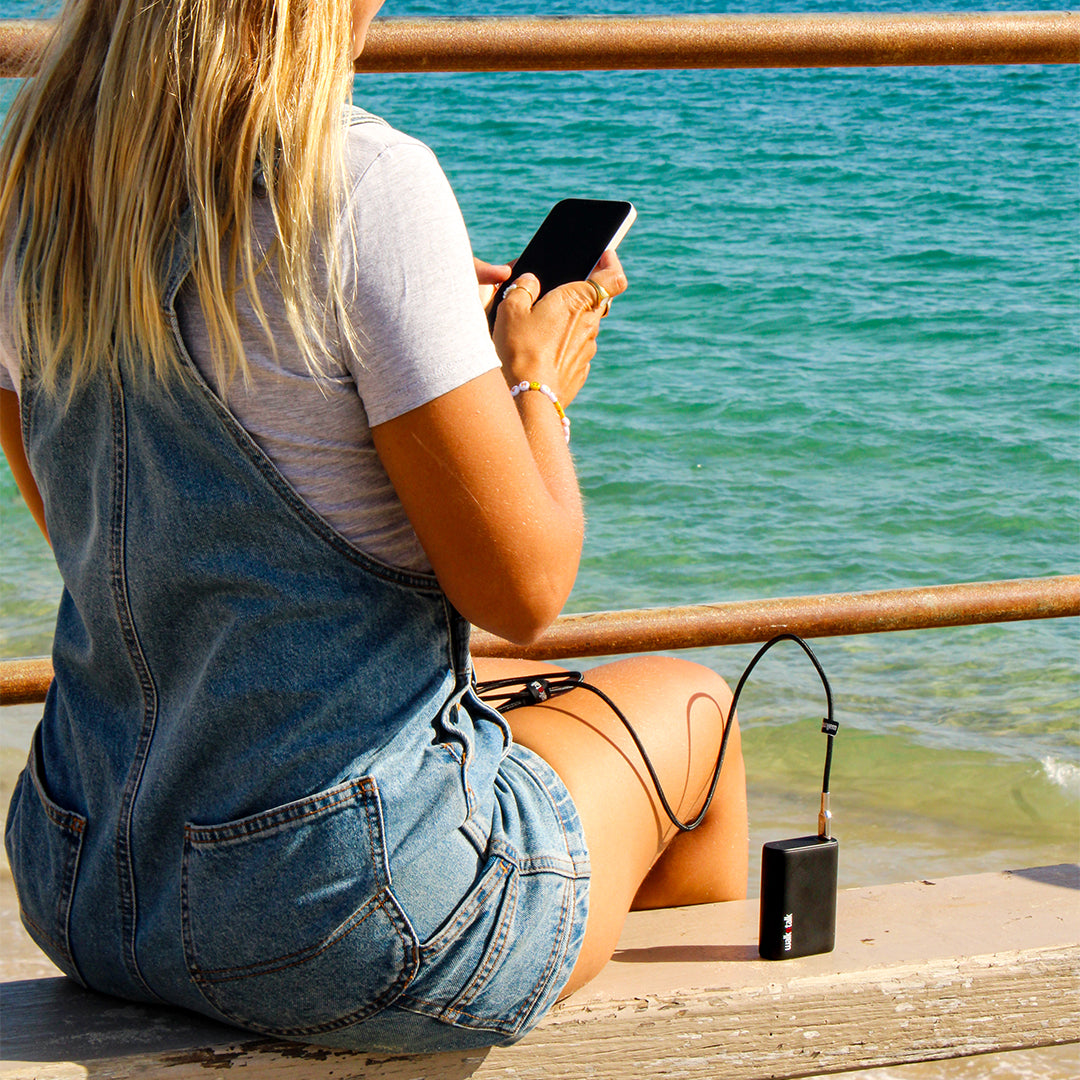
x=43, y=843
x=289, y=924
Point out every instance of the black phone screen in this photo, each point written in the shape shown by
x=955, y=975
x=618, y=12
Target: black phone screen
x=569, y=243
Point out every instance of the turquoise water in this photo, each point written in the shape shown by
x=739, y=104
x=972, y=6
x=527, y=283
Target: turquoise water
x=849, y=359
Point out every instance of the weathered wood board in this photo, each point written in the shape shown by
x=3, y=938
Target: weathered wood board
x=922, y=970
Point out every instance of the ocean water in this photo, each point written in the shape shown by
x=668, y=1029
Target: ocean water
x=849, y=359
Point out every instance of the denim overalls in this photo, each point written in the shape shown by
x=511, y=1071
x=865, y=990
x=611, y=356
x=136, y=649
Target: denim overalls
x=263, y=787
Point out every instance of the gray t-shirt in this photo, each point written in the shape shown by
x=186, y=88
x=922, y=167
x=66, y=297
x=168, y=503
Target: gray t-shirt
x=417, y=310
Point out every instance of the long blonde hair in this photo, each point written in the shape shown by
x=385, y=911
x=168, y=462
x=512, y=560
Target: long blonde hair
x=139, y=109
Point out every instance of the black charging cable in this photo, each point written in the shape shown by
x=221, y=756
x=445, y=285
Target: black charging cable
x=829, y=726
x=505, y=695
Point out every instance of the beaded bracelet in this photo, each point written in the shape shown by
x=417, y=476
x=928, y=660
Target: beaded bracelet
x=542, y=388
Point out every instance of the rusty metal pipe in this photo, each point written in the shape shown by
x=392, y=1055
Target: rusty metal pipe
x=722, y=41
x=25, y=681
x=737, y=622
x=692, y=41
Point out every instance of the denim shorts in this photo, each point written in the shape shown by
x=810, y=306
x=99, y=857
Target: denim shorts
x=442, y=901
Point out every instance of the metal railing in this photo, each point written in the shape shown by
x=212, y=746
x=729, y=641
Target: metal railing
x=697, y=41
x=740, y=622
x=608, y=633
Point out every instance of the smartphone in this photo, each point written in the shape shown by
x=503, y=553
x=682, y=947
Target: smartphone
x=569, y=243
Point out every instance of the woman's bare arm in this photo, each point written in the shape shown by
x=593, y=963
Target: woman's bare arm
x=11, y=441
x=487, y=480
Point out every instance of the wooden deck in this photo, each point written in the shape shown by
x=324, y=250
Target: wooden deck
x=922, y=970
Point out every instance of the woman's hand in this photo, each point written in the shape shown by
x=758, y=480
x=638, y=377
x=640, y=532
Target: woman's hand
x=553, y=340
x=489, y=277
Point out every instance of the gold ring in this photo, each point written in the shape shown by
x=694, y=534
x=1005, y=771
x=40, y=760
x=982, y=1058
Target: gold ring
x=510, y=288
x=603, y=297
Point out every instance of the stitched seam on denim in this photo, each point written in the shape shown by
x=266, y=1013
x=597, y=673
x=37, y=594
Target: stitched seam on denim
x=511, y=1023
x=259, y=823
x=555, y=957
x=33, y=924
x=380, y=861
x=579, y=860
x=494, y=955
x=447, y=936
x=392, y=992
x=72, y=826
x=470, y=795
x=293, y=959
x=548, y=864
x=62, y=949
x=540, y=985
x=542, y=981
x=63, y=914
x=380, y=1001
x=480, y=978
x=118, y=582
x=63, y=819
x=185, y=910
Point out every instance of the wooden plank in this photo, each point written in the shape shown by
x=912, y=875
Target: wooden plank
x=922, y=970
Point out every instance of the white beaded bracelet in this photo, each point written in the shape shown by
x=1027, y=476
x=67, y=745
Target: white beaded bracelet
x=542, y=388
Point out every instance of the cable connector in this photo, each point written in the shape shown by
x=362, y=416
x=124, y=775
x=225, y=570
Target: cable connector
x=824, y=818
x=538, y=690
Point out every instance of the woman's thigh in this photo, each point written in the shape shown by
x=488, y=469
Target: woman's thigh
x=678, y=710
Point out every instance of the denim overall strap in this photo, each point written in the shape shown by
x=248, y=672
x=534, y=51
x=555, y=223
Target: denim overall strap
x=220, y=650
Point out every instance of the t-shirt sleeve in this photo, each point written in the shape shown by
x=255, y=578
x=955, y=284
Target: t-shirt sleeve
x=411, y=284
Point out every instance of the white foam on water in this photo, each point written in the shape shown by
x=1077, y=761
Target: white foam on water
x=1064, y=774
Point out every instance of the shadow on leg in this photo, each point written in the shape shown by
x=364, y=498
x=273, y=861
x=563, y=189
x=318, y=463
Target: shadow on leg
x=639, y=858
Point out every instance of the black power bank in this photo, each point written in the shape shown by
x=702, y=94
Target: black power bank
x=798, y=897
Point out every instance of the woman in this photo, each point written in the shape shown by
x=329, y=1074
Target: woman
x=249, y=393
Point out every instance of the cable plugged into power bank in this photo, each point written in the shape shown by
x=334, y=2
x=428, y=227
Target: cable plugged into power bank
x=798, y=876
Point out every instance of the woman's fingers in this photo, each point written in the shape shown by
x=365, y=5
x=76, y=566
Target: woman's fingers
x=489, y=276
x=553, y=339
x=491, y=273
x=610, y=274
x=522, y=293
x=607, y=281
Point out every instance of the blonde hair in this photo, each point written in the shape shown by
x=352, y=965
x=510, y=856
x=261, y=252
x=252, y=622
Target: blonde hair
x=139, y=109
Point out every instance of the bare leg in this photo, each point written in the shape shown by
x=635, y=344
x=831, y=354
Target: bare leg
x=638, y=857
